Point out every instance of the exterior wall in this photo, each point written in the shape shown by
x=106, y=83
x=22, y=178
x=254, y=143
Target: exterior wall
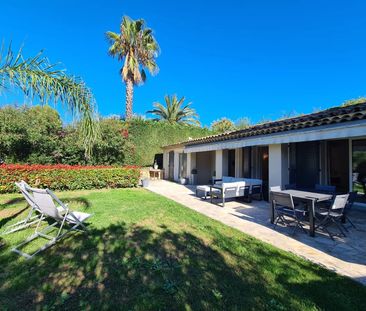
x=275, y=165
x=218, y=163
x=166, y=163
x=166, y=151
x=176, y=166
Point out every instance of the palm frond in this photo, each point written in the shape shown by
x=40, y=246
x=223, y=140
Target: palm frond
x=37, y=77
x=173, y=111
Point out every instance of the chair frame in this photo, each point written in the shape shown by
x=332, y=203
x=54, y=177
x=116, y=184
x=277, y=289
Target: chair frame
x=33, y=216
x=44, y=232
x=329, y=219
x=348, y=207
x=284, y=210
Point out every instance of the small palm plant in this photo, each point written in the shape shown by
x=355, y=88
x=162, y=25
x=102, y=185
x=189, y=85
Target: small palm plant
x=175, y=111
x=223, y=125
x=37, y=77
x=138, y=49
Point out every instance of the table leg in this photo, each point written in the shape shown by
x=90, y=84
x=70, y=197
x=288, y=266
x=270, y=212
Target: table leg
x=272, y=210
x=311, y=205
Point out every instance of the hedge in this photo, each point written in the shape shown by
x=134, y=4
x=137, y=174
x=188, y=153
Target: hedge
x=146, y=137
x=67, y=177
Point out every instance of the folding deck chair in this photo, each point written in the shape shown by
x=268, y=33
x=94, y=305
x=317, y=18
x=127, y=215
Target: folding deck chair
x=33, y=215
x=62, y=216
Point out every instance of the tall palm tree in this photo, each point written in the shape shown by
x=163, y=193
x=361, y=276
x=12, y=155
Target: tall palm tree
x=138, y=49
x=37, y=77
x=175, y=112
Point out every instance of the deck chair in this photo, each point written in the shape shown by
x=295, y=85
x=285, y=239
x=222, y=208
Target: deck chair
x=333, y=215
x=351, y=200
x=33, y=215
x=61, y=216
x=286, y=211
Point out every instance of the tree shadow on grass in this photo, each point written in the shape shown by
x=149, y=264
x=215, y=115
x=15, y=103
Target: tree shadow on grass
x=133, y=267
x=11, y=202
x=125, y=268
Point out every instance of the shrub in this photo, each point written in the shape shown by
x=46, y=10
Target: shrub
x=67, y=177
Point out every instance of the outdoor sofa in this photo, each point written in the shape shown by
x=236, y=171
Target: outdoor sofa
x=232, y=187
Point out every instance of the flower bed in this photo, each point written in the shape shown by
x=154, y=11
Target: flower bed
x=68, y=177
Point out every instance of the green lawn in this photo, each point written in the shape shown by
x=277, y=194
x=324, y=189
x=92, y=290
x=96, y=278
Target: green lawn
x=145, y=252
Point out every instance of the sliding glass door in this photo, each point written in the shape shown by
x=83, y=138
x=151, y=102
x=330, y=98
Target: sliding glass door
x=359, y=166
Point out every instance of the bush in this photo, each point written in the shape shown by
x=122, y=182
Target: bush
x=66, y=177
x=35, y=135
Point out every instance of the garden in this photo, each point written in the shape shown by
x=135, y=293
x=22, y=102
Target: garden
x=146, y=252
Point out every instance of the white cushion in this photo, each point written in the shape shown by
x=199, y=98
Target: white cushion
x=203, y=188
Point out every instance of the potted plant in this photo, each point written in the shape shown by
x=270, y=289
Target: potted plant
x=194, y=176
x=145, y=182
x=183, y=180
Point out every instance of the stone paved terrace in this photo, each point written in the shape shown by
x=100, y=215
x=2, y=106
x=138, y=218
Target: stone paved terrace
x=346, y=256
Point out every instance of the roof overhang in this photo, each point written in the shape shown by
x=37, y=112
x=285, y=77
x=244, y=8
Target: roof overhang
x=352, y=129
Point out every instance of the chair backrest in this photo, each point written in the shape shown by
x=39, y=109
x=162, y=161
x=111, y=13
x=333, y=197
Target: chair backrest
x=23, y=187
x=45, y=202
x=339, y=202
x=275, y=188
x=282, y=199
x=290, y=186
x=325, y=189
x=352, y=198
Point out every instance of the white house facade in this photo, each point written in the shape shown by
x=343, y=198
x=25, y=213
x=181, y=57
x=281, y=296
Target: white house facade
x=326, y=147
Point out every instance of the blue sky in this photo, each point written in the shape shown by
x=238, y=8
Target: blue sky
x=256, y=59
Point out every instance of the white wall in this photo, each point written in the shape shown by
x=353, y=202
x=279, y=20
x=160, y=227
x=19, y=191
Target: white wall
x=166, y=164
x=176, y=165
x=218, y=163
x=275, y=165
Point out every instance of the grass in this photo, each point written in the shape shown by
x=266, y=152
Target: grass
x=145, y=252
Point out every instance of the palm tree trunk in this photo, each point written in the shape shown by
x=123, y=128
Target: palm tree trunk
x=129, y=98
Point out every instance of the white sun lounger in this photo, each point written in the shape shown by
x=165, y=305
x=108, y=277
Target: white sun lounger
x=45, y=200
x=33, y=215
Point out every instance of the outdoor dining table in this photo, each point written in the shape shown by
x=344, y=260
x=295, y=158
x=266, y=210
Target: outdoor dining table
x=310, y=199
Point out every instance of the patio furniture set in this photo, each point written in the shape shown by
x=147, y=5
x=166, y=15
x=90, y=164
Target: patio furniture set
x=319, y=209
x=46, y=208
x=231, y=187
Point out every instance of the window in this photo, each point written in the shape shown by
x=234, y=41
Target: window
x=359, y=166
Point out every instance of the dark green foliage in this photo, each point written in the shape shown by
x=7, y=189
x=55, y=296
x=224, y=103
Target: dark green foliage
x=148, y=136
x=29, y=134
x=36, y=135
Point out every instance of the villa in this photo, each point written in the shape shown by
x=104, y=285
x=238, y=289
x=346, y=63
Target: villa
x=325, y=147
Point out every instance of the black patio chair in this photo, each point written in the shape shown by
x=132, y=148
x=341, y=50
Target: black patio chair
x=332, y=216
x=325, y=189
x=351, y=199
x=286, y=212
x=290, y=187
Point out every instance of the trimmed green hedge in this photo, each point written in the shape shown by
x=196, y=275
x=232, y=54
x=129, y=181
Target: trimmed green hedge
x=68, y=177
x=146, y=137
